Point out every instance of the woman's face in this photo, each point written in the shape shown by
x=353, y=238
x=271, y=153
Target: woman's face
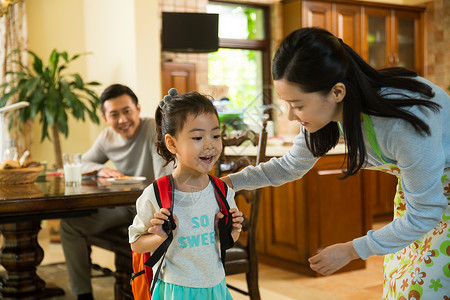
x=312, y=110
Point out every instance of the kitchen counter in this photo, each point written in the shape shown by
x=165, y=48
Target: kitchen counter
x=274, y=150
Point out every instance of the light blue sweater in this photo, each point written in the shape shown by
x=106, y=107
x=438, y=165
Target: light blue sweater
x=421, y=160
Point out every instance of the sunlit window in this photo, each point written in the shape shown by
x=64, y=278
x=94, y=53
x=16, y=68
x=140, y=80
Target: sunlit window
x=236, y=73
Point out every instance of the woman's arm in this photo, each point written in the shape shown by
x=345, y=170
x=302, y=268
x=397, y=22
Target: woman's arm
x=291, y=166
x=421, y=160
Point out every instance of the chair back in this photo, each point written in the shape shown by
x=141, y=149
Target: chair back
x=240, y=150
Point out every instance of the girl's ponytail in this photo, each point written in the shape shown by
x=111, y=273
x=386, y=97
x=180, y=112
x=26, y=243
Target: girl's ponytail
x=160, y=143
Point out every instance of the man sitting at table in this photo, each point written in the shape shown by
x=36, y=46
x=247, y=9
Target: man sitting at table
x=128, y=142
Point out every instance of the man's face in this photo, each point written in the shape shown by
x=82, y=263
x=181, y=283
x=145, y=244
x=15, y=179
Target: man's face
x=122, y=115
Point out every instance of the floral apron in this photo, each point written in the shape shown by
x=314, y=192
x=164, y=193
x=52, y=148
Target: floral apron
x=421, y=270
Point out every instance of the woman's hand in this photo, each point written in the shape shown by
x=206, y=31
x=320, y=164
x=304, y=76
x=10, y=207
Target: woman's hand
x=158, y=220
x=227, y=180
x=332, y=258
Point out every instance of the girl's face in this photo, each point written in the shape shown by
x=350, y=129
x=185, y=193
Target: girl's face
x=312, y=110
x=197, y=145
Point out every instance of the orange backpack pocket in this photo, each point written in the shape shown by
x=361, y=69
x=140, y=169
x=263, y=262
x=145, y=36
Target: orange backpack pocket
x=141, y=278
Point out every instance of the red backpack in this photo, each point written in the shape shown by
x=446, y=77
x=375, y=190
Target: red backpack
x=142, y=279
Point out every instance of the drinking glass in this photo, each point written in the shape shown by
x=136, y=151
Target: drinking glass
x=72, y=169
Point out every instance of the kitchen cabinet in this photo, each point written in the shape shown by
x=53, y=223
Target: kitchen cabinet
x=384, y=35
x=301, y=217
x=393, y=38
x=379, y=190
x=320, y=209
x=343, y=20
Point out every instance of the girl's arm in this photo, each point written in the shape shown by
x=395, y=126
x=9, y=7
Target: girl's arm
x=147, y=243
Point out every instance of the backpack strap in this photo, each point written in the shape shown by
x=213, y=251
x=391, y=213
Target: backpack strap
x=164, y=192
x=225, y=224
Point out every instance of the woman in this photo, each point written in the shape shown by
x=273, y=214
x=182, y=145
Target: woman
x=391, y=120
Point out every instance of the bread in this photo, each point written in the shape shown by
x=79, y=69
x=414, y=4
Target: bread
x=9, y=164
x=31, y=164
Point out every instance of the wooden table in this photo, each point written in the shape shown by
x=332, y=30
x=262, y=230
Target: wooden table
x=22, y=207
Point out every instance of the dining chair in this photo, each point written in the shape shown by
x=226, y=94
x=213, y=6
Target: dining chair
x=243, y=258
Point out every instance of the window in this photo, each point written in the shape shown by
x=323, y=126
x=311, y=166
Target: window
x=240, y=70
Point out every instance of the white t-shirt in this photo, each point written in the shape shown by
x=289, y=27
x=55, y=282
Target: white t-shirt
x=193, y=257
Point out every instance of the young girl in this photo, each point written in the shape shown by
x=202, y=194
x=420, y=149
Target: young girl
x=391, y=120
x=189, y=135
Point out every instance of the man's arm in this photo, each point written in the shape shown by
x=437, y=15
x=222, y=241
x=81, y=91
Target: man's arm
x=95, y=158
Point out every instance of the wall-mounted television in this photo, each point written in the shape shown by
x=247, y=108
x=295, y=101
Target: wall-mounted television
x=190, y=32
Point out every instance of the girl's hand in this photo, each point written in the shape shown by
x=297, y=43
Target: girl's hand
x=332, y=258
x=237, y=219
x=158, y=220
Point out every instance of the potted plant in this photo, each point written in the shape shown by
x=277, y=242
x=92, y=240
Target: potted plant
x=52, y=94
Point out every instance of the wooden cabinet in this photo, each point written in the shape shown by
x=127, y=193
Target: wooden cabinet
x=343, y=20
x=300, y=217
x=393, y=37
x=384, y=35
x=178, y=75
x=379, y=191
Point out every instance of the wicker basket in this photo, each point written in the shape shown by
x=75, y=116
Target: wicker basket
x=19, y=176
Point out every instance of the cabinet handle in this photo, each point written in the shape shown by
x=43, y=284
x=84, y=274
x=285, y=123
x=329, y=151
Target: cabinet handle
x=330, y=172
x=391, y=59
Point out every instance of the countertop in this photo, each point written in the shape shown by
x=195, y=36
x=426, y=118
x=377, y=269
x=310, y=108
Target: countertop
x=274, y=150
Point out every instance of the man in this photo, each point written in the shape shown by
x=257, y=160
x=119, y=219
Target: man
x=129, y=143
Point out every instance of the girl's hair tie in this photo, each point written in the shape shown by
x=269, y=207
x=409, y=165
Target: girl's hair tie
x=172, y=93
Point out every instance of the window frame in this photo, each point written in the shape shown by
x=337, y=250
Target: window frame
x=261, y=45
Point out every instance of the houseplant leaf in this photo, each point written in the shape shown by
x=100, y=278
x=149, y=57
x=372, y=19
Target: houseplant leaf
x=52, y=94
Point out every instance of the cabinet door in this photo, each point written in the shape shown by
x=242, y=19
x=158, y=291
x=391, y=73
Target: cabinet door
x=377, y=41
x=348, y=25
x=178, y=75
x=317, y=14
x=285, y=235
x=408, y=44
x=337, y=209
x=337, y=205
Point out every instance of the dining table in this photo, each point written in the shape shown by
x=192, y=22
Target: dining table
x=22, y=209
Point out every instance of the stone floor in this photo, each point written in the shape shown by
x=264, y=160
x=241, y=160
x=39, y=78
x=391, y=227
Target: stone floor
x=274, y=283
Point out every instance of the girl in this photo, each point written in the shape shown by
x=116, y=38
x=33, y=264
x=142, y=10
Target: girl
x=189, y=135
x=391, y=120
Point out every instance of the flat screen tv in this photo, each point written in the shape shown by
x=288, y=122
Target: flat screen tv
x=190, y=32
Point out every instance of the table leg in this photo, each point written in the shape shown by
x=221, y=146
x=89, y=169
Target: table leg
x=20, y=255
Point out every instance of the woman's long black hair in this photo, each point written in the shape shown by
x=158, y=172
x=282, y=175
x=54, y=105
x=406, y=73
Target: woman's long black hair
x=316, y=60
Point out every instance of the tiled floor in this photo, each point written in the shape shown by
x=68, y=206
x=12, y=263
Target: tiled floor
x=274, y=283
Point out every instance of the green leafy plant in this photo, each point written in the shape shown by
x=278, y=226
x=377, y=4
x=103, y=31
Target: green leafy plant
x=52, y=94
